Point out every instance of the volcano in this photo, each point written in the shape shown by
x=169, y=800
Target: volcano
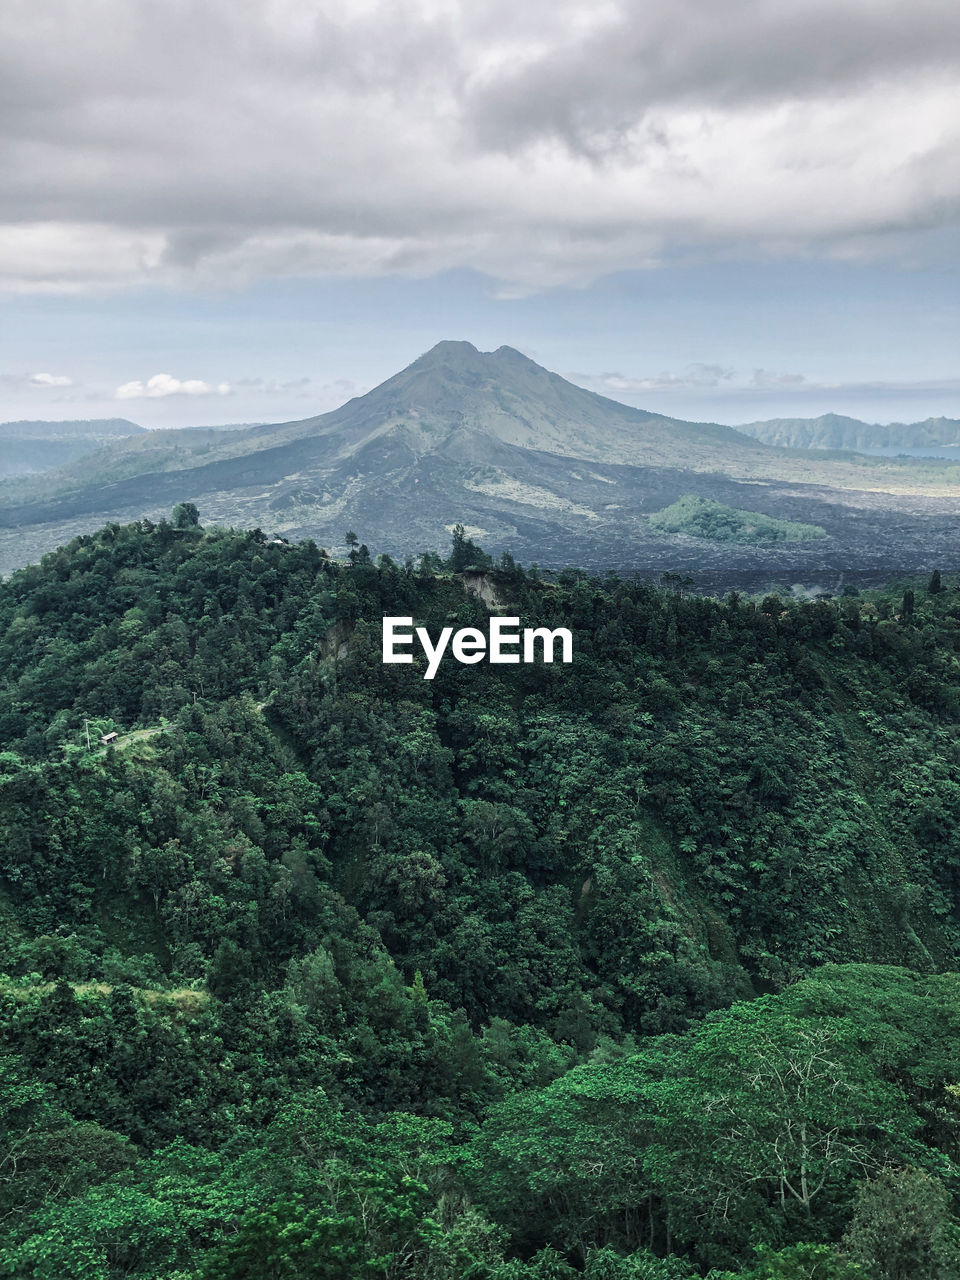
x=526, y=460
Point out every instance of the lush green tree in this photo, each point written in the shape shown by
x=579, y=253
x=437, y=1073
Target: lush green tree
x=902, y=1228
x=185, y=516
x=768, y=1122
x=798, y=1262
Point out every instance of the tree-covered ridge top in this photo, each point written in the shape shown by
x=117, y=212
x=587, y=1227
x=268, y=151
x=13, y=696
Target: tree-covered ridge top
x=33, y=429
x=511, y=974
x=704, y=518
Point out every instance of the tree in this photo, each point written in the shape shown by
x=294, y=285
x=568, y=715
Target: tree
x=46, y=1155
x=564, y=1163
x=798, y=1262
x=771, y=1117
x=230, y=970
x=465, y=554
x=902, y=1228
x=185, y=516
x=287, y=1241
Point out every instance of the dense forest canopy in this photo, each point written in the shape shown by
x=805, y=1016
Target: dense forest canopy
x=637, y=967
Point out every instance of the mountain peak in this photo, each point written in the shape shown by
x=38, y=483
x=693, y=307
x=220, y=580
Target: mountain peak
x=452, y=354
x=448, y=352
x=510, y=355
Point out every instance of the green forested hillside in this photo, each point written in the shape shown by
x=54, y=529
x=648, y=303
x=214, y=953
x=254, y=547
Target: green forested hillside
x=704, y=518
x=628, y=968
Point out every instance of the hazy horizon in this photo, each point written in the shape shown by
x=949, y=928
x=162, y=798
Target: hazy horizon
x=603, y=385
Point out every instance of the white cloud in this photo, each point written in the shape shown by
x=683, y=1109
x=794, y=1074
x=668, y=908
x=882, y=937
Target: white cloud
x=162, y=385
x=49, y=380
x=545, y=143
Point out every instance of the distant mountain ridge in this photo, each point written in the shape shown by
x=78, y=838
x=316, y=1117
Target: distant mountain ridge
x=37, y=429
x=538, y=466
x=835, y=431
x=30, y=447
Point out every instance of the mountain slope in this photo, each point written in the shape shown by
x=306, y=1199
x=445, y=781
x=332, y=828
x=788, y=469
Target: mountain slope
x=454, y=389
x=555, y=472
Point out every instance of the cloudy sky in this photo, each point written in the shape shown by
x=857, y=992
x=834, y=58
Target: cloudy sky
x=214, y=211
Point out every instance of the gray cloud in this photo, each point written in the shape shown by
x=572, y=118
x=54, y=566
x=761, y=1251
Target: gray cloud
x=694, y=376
x=545, y=143
x=35, y=381
x=719, y=382
x=591, y=89
x=766, y=378
x=325, y=394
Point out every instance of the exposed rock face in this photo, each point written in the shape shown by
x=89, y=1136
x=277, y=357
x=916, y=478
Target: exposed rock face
x=483, y=586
